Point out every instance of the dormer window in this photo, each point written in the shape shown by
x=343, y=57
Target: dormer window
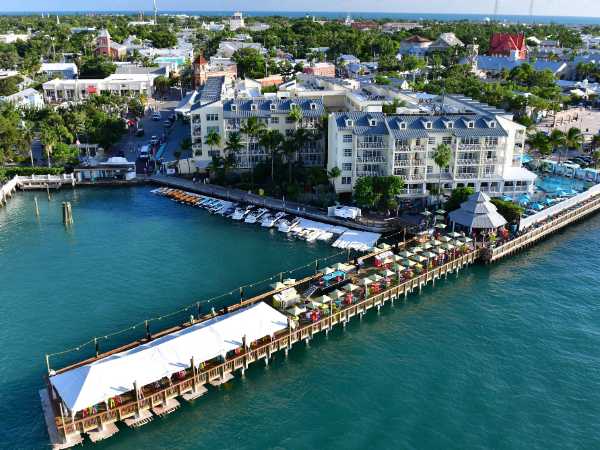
x=428, y=125
x=313, y=106
x=252, y=106
x=292, y=106
x=470, y=124
x=349, y=123
x=272, y=106
x=233, y=107
x=372, y=122
x=492, y=124
x=402, y=125
x=449, y=124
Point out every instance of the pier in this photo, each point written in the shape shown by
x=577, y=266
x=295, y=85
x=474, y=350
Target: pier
x=139, y=406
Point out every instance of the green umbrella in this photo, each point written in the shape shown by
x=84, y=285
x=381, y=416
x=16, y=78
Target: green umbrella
x=416, y=249
x=448, y=246
x=419, y=258
x=429, y=255
x=350, y=287
x=445, y=239
x=440, y=226
x=387, y=273
x=375, y=277
x=405, y=254
x=440, y=211
x=397, y=267
x=454, y=234
x=426, y=213
x=435, y=243
x=408, y=263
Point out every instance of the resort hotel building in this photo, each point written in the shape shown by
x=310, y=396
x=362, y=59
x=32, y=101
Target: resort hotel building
x=361, y=140
x=486, y=145
x=211, y=113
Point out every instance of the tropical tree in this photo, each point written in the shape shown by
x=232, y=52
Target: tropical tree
x=252, y=128
x=26, y=138
x=212, y=139
x=596, y=158
x=289, y=148
x=334, y=173
x=49, y=139
x=574, y=138
x=162, y=84
x=558, y=141
x=442, y=157
x=296, y=116
x=595, y=143
x=271, y=140
x=233, y=145
x=539, y=141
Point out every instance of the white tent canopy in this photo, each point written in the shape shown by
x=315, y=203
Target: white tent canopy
x=478, y=212
x=97, y=382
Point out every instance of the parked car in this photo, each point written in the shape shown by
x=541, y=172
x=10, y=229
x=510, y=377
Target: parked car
x=167, y=123
x=156, y=116
x=173, y=117
x=139, y=129
x=154, y=140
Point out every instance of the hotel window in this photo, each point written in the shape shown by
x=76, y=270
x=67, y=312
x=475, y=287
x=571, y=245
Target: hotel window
x=431, y=141
x=347, y=167
x=348, y=152
x=212, y=117
x=347, y=138
x=447, y=140
x=346, y=180
x=289, y=120
x=212, y=153
x=489, y=140
x=274, y=119
x=429, y=169
x=209, y=129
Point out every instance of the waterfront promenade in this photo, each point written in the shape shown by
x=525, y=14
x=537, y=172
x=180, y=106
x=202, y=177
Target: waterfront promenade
x=298, y=209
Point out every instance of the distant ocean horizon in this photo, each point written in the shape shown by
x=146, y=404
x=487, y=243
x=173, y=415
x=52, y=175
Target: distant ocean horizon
x=509, y=18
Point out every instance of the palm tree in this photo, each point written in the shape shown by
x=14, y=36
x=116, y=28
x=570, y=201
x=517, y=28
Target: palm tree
x=212, y=139
x=574, y=138
x=252, y=129
x=595, y=142
x=233, y=145
x=557, y=140
x=334, y=173
x=49, y=139
x=539, y=141
x=442, y=157
x=27, y=136
x=271, y=140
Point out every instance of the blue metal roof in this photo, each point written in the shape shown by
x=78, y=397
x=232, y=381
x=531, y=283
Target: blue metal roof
x=360, y=123
x=499, y=63
x=263, y=108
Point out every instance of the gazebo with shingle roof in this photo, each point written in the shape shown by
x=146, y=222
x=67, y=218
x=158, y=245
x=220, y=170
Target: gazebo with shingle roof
x=478, y=213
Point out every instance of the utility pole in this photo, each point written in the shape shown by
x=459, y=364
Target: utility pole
x=155, y=13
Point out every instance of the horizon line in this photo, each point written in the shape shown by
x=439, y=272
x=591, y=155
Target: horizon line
x=274, y=13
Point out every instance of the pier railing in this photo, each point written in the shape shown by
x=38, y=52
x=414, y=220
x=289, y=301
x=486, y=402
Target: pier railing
x=553, y=225
x=262, y=349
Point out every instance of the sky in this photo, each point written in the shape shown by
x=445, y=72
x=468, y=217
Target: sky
x=541, y=7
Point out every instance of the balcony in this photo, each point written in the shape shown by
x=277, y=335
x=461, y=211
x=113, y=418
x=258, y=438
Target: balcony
x=467, y=162
x=419, y=148
x=491, y=161
x=402, y=162
x=419, y=162
x=470, y=147
x=370, y=159
x=402, y=148
x=369, y=173
x=368, y=144
x=465, y=176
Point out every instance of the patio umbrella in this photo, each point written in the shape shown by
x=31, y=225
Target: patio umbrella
x=441, y=212
x=419, y=258
x=323, y=299
x=445, y=239
x=426, y=213
x=384, y=246
x=537, y=207
x=429, y=255
x=336, y=294
x=506, y=198
x=295, y=310
x=440, y=218
x=440, y=226
x=367, y=281
x=549, y=201
x=438, y=250
x=435, y=242
x=454, y=234
x=340, y=266
x=375, y=277
x=289, y=281
x=387, y=273
x=448, y=246
x=278, y=285
x=405, y=254
x=397, y=258
x=397, y=267
x=328, y=270
x=416, y=249
x=466, y=239
x=408, y=263
x=350, y=287
x=426, y=246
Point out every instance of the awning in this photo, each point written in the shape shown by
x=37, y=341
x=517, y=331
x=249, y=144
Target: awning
x=99, y=381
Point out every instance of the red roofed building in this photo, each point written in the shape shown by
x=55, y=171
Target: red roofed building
x=504, y=44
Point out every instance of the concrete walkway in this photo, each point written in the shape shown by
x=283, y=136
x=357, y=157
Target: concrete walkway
x=297, y=209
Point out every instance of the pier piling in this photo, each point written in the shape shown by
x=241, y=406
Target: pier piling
x=67, y=213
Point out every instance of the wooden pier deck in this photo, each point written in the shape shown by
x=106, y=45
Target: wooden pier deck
x=135, y=413
x=108, y=430
x=555, y=224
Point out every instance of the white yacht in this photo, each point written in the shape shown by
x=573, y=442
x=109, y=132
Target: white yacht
x=239, y=213
x=287, y=225
x=253, y=216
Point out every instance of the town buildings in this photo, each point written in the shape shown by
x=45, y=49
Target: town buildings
x=236, y=21
x=26, y=99
x=109, y=48
x=59, y=70
x=506, y=44
x=10, y=38
x=322, y=69
x=414, y=46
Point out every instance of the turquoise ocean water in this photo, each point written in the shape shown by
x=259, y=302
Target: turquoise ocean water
x=504, y=356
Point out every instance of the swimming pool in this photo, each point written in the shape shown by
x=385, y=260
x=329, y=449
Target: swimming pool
x=551, y=184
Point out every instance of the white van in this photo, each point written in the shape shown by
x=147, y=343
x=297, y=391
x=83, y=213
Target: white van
x=144, y=152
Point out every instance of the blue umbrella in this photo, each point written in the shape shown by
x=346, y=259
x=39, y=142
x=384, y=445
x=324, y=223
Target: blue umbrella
x=549, y=201
x=537, y=206
x=524, y=199
x=506, y=198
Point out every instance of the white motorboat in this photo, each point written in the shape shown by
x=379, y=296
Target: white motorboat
x=239, y=213
x=267, y=220
x=287, y=225
x=253, y=216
